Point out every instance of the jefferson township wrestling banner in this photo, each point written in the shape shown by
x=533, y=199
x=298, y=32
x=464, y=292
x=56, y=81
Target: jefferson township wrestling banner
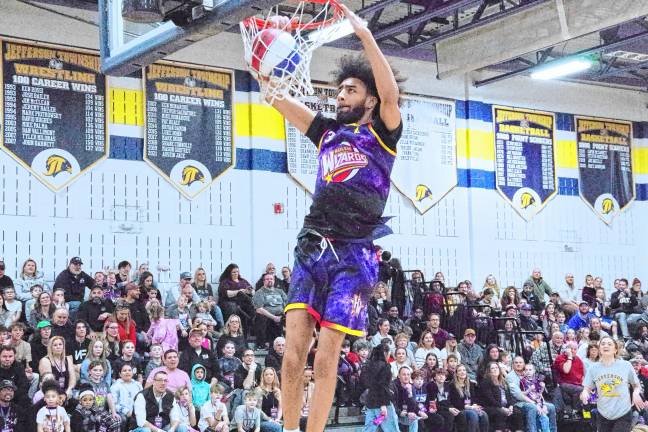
x=189, y=124
x=524, y=158
x=52, y=115
x=605, y=165
x=425, y=169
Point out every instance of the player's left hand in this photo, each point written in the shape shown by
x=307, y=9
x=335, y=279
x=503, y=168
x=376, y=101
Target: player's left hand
x=358, y=24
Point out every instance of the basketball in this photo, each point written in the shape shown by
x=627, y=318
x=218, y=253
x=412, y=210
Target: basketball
x=274, y=52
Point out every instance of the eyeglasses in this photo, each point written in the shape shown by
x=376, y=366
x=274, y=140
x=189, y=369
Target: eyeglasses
x=161, y=379
x=248, y=355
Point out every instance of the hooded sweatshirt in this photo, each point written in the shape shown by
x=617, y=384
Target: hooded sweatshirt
x=23, y=285
x=124, y=395
x=200, y=388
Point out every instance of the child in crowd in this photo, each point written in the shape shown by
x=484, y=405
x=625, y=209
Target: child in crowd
x=124, y=391
x=84, y=418
x=128, y=356
x=203, y=310
x=560, y=319
x=35, y=291
x=533, y=388
x=451, y=366
x=155, y=359
x=247, y=416
x=52, y=417
x=110, y=290
x=153, y=296
x=213, y=413
x=183, y=412
x=109, y=420
x=419, y=390
x=199, y=388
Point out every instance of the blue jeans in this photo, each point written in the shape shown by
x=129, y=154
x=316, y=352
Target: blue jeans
x=530, y=412
x=475, y=422
x=217, y=313
x=269, y=426
x=74, y=307
x=390, y=424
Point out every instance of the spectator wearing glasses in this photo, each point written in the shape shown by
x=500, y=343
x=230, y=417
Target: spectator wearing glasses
x=153, y=405
x=278, y=283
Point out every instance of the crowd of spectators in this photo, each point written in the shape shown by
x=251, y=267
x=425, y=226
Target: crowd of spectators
x=116, y=351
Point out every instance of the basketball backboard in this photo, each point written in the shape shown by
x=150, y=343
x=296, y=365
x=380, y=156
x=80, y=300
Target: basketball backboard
x=135, y=33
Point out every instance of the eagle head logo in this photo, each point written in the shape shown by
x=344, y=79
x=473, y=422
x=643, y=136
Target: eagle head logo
x=191, y=174
x=422, y=192
x=607, y=206
x=56, y=164
x=526, y=200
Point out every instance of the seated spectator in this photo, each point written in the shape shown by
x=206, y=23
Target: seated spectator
x=213, y=413
x=491, y=354
x=153, y=405
x=196, y=354
x=145, y=283
x=23, y=349
x=307, y=398
x=269, y=392
x=180, y=311
x=111, y=291
x=591, y=355
x=440, y=335
x=542, y=359
x=163, y=330
x=61, y=324
x=623, y=305
x=402, y=340
x=471, y=353
x=440, y=413
x=278, y=283
x=569, y=375
x=274, y=358
x=451, y=346
x=396, y=325
x=35, y=292
x=402, y=397
x=497, y=401
x=379, y=299
x=59, y=364
x=183, y=415
x=78, y=346
x=199, y=386
x=235, y=295
x=6, y=317
x=248, y=374
x=104, y=406
x=27, y=278
x=416, y=322
x=232, y=332
x=96, y=310
x=463, y=398
x=425, y=346
x=14, y=371
x=531, y=298
x=176, y=378
x=13, y=306
x=382, y=333
x=581, y=318
x=269, y=303
x=40, y=342
x=451, y=366
x=247, y=417
x=74, y=282
x=52, y=416
x=510, y=296
x=58, y=298
x=112, y=339
x=123, y=391
x=130, y=357
x=137, y=312
x=155, y=359
x=400, y=360
x=228, y=364
x=96, y=351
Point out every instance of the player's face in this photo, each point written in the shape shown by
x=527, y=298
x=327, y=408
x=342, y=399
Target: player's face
x=353, y=101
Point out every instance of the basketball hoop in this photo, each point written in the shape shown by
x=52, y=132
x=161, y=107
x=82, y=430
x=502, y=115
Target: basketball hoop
x=289, y=55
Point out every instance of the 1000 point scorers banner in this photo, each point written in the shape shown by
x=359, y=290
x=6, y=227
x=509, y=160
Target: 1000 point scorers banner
x=188, y=124
x=524, y=158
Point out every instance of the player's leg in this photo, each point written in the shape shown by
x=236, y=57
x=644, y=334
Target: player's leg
x=299, y=334
x=329, y=345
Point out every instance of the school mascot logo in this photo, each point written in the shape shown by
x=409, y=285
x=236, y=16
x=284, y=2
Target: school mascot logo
x=342, y=163
x=607, y=207
x=526, y=200
x=57, y=164
x=191, y=174
x=423, y=192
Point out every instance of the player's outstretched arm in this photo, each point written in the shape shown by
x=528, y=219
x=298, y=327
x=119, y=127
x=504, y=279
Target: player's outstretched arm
x=385, y=80
x=298, y=114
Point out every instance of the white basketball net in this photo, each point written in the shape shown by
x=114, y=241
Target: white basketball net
x=310, y=34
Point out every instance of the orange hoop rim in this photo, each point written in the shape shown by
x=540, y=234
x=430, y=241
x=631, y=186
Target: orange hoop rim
x=334, y=4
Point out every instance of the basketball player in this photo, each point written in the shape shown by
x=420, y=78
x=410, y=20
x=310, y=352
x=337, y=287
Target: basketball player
x=335, y=264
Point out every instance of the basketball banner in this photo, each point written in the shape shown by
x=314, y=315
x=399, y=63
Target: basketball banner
x=605, y=165
x=525, y=172
x=425, y=169
x=189, y=123
x=52, y=110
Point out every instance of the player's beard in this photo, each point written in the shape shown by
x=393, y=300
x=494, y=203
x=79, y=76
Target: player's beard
x=353, y=115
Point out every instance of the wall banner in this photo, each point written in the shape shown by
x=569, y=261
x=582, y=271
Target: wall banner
x=524, y=158
x=426, y=165
x=52, y=110
x=605, y=165
x=189, y=124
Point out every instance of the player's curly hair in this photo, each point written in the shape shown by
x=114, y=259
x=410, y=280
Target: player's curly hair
x=357, y=66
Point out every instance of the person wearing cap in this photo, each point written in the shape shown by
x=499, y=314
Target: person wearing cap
x=471, y=353
x=540, y=286
x=530, y=296
x=195, y=353
x=96, y=310
x=40, y=342
x=582, y=317
x=527, y=322
x=74, y=282
x=14, y=416
x=184, y=288
x=137, y=311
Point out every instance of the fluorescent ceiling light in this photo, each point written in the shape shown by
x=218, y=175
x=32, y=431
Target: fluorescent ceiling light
x=562, y=68
x=330, y=33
